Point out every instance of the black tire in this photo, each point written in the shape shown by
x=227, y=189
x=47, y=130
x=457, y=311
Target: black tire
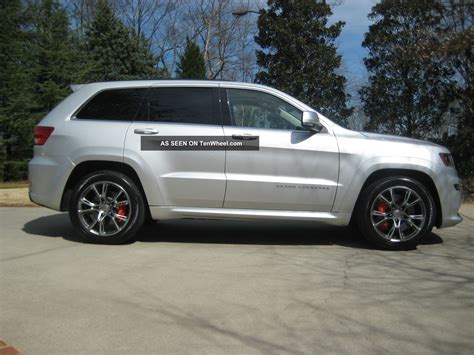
x=118, y=221
x=398, y=225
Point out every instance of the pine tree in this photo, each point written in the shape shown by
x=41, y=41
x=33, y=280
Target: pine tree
x=115, y=52
x=142, y=61
x=407, y=93
x=191, y=63
x=299, y=55
x=16, y=99
x=56, y=64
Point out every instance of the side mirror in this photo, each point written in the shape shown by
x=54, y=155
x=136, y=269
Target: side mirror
x=310, y=120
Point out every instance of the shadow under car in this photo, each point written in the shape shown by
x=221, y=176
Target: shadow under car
x=221, y=232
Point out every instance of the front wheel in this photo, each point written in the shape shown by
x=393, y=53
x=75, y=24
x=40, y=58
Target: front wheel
x=396, y=213
x=106, y=207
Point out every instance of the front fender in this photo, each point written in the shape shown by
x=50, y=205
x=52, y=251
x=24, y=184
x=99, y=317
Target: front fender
x=352, y=178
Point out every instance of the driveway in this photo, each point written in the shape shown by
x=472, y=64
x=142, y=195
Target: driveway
x=231, y=287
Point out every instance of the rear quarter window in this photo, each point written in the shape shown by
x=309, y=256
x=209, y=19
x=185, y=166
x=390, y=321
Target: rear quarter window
x=114, y=105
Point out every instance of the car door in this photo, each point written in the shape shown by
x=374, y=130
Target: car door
x=294, y=169
x=189, y=178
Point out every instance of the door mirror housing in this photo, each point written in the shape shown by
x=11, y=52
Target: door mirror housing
x=310, y=120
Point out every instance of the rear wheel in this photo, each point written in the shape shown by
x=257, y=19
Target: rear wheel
x=395, y=213
x=106, y=207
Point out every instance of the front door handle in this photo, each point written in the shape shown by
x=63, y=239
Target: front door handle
x=145, y=131
x=244, y=137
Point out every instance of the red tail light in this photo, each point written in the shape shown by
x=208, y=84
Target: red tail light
x=42, y=134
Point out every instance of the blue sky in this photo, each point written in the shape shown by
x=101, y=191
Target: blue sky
x=354, y=13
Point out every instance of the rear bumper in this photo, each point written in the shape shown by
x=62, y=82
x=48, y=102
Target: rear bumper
x=48, y=176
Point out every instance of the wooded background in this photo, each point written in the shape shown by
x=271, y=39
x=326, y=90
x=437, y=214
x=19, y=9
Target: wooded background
x=419, y=60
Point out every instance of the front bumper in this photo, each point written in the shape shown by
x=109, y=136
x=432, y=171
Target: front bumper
x=451, y=221
x=450, y=197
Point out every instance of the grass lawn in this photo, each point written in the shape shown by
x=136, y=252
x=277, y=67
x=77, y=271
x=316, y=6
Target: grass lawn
x=13, y=184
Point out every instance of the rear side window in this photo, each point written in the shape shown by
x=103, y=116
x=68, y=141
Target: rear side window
x=179, y=105
x=117, y=105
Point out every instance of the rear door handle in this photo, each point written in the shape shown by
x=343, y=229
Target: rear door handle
x=244, y=137
x=145, y=131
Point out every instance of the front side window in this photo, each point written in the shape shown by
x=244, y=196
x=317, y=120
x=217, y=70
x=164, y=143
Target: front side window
x=179, y=105
x=250, y=108
x=115, y=104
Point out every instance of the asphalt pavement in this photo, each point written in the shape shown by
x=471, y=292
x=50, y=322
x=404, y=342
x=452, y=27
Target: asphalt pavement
x=232, y=287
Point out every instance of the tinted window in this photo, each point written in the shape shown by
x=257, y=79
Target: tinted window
x=179, y=105
x=250, y=108
x=119, y=104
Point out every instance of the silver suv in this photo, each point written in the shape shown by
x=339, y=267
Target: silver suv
x=115, y=154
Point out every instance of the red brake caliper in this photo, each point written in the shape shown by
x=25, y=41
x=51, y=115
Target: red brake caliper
x=121, y=211
x=382, y=207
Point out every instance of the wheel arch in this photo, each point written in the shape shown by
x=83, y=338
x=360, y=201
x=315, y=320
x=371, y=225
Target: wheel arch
x=420, y=176
x=90, y=166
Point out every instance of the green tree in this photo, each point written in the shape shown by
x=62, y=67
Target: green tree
x=55, y=54
x=299, y=55
x=407, y=94
x=115, y=52
x=191, y=63
x=454, y=46
x=16, y=78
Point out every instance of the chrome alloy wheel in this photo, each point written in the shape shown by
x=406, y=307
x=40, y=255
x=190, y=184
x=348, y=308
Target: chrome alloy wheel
x=398, y=214
x=104, y=208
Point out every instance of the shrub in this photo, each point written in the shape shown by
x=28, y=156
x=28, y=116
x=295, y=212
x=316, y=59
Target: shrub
x=14, y=170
